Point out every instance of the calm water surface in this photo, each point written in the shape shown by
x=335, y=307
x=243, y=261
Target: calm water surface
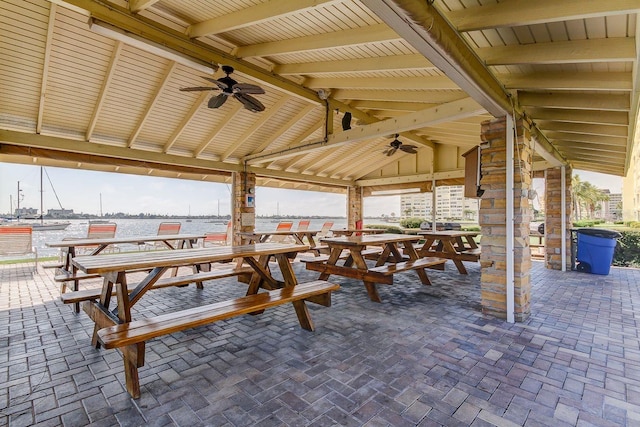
x=144, y=227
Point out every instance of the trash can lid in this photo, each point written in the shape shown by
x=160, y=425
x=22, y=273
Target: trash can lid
x=600, y=232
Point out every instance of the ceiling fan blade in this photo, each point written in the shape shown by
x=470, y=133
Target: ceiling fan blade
x=218, y=83
x=217, y=101
x=409, y=149
x=390, y=151
x=197, y=88
x=249, y=102
x=247, y=88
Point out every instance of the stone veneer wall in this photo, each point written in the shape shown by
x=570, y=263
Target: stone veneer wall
x=354, y=206
x=553, y=218
x=492, y=220
x=243, y=217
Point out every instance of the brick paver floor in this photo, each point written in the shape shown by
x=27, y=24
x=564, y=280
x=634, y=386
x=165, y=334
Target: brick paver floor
x=425, y=356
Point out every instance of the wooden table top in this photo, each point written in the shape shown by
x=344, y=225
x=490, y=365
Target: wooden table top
x=371, y=239
x=276, y=233
x=178, y=257
x=358, y=230
x=80, y=241
x=448, y=233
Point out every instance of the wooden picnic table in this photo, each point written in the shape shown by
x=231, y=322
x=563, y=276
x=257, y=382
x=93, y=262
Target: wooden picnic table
x=115, y=328
x=68, y=273
x=455, y=245
x=350, y=231
x=355, y=266
x=298, y=236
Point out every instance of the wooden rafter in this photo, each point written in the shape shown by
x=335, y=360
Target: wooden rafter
x=351, y=37
x=45, y=66
x=159, y=90
x=264, y=118
x=105, y=89
x=395, y=62
x=518, y=13
x=185, y=121
x=257, y=14
x=216, y=131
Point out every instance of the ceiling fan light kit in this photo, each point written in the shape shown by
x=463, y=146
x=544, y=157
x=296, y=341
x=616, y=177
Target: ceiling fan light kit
x=230, y=87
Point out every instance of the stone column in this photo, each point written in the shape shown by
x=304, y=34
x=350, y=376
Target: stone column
x=553, y=218
x=354, y=206
x=243, y=216
x=492, y=219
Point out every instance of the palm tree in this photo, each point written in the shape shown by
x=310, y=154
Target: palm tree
x=586, y=197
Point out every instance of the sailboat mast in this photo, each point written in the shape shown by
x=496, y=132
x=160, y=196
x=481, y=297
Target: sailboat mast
x=41, y=198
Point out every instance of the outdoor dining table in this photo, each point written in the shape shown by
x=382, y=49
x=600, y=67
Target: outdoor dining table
x=355, y=266
x=115, y=267
x=299, y=236
x=455, y=245
x=351, y=231
x=69, y=273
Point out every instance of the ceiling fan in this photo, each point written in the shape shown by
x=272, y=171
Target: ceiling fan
x=230, y=87
x=396, y=145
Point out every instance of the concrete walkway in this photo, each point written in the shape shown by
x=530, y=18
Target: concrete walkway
x=425, y=356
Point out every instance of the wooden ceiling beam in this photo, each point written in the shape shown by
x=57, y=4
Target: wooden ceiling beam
x=382, y=83
x=358, y=65
x=581, y=116
x=581, y=101
x=391, y=105
x=136, y=6
x=264, y=118
x=137, y=26
x=446, y=112
x=579, y=146
x=218, y=128
x=430, y=33
x=596, y=81
x=621, y=49
x=518, y=13
x=104, y=90
x=586, y=138
x=332, y=40
x=186, y=120
x=436, y=97
x=584, y=128
x=45, y=66
x=152, y=102
x=253, y=15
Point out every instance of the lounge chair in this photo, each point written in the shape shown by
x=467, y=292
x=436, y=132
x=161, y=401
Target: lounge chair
x=99, y=231
x=164, y=228
x=219, y=238
x=282, y=226
x=325, y=231
x=303, y=225
x=18, y=240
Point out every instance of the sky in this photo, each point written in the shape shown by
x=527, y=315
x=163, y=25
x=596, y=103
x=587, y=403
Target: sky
x=81, y=191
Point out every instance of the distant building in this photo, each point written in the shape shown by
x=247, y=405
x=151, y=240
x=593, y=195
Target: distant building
x=614, y=207
x=450, y=205
x=60, y=213
x=26, y=213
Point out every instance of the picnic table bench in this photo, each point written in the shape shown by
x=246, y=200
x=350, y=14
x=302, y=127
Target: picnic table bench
x=115, y=328
x=355, y=266
x=455, y=245
x=68, y=274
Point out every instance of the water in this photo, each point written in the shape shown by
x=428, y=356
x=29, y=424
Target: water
x=146, y=227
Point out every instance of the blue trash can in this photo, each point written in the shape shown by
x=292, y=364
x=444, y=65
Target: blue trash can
x=595, y=250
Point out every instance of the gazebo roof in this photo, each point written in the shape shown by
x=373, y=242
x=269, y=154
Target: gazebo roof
x=96, y=85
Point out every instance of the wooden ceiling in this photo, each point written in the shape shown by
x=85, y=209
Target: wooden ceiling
x=95, y=85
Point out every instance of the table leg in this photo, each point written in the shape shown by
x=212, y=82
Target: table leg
x=413, y=255
x=447, y=247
